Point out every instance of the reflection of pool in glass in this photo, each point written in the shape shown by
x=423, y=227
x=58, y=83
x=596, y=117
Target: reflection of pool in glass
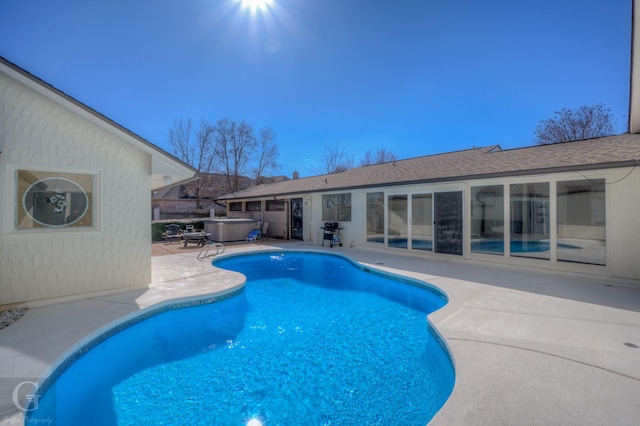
x=516, y=246
x=312, y=339
x=482, y=246
x=402, y=243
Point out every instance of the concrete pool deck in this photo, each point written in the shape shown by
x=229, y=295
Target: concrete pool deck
x=529, y=346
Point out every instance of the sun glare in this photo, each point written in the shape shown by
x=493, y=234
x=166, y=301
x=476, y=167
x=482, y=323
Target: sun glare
x=255, y=5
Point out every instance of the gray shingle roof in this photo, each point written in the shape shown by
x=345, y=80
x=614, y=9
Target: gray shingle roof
x=606, y=152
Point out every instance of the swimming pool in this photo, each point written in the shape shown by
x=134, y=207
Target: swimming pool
x=312, y=339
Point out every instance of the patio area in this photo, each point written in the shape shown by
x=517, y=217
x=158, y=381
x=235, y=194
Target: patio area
x=529, y=346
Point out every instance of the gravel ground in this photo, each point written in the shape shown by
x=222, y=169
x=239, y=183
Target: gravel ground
x=9, y=317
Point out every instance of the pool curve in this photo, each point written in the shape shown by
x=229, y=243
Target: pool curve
x=305, y=266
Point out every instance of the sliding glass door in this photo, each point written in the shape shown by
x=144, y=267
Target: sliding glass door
x=427, y=222
x=422, y=222
x=375, y=217
x=397, y=221
x=487, y=219
x=530, y=225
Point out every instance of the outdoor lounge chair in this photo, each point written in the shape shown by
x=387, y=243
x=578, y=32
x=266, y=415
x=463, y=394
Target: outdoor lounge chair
x=253, y=235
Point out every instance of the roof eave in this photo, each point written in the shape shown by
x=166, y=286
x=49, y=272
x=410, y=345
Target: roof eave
x=540, y=171
x=163, y=164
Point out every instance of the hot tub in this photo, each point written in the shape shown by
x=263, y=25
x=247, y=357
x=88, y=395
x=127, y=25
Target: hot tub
x=229, y=229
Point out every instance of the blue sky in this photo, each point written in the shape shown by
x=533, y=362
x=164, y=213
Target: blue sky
x=417, y=77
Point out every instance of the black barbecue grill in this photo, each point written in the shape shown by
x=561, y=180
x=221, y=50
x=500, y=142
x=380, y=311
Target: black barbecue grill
x=331, y=232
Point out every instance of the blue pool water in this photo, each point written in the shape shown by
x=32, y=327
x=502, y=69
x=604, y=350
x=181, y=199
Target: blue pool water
x=313, y=339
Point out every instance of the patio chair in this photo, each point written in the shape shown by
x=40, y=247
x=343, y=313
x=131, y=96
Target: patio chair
x=253, y=235
x=172, y=232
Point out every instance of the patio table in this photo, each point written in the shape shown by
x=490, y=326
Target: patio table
x=198, y=238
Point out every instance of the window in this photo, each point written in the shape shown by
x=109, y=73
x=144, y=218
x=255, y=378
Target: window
x=235, y=207
x=530, y=220
x=375, y=217
x=254, y=206
x=487, y=219
x=581, y=221
x=54, y=200
x=275, y=205
x=336, y=207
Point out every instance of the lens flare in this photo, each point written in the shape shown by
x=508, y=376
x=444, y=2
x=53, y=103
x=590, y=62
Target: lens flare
x=255, y=5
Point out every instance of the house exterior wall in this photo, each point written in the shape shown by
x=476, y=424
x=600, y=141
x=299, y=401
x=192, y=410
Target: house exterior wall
x=279, y=220
x=355, y=230
x=43, y=265
x=634, y=104
x=278, y=223
x=624, y=224
x=622, y=229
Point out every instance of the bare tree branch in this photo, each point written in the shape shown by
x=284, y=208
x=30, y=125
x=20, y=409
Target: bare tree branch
x=267, y=153
x=335, y=158
x=586, y=122
x=381, y=156
x=197, y=152
x=180, y=140
x=235, y=144
x=228, y=148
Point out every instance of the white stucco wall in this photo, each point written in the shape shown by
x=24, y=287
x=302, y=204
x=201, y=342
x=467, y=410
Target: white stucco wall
x=622, y=229
x=624, y=223
x=51, y=264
